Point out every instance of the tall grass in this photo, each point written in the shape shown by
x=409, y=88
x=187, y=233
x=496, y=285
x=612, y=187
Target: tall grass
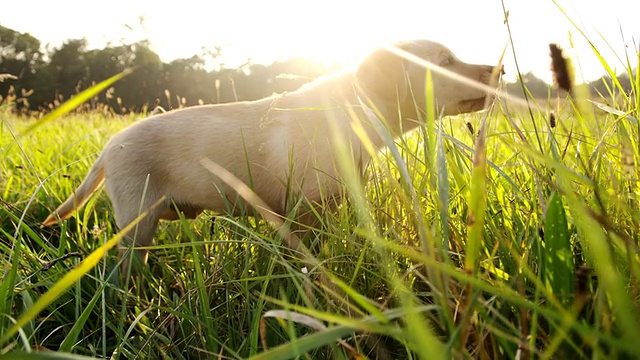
x=520, y=241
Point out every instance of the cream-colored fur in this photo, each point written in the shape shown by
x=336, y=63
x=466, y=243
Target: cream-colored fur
x=279, y=146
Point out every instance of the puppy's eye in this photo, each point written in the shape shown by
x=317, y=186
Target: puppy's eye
x=446, y=61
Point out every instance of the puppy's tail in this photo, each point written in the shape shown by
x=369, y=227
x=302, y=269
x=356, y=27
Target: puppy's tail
x=94, y=179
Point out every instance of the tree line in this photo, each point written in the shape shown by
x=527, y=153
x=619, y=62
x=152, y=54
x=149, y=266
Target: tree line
x=45, y=78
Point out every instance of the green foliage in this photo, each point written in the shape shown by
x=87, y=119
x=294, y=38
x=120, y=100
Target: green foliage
x=557, y=269
x=208, y=284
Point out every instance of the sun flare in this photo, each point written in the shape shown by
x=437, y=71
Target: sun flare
x=333, y=35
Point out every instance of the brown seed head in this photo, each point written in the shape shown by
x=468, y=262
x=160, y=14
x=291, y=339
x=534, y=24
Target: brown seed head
x=470, y=128
x=559, y=68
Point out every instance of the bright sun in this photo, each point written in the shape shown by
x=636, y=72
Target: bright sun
x=331, y=31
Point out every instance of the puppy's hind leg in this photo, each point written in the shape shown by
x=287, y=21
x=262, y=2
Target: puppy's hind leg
x=141, y=235
x=128, y=206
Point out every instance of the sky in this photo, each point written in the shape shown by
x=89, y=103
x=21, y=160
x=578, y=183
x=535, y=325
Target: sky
x=344, y=31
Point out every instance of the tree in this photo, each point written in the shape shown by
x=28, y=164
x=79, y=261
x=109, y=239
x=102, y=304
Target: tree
x=145, y=84
x=20, y=47
x=536, y=86
x=605, y=86
x=20, y=55
x=68, y=68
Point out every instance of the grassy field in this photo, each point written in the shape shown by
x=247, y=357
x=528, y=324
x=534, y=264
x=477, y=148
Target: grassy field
x=518, y=239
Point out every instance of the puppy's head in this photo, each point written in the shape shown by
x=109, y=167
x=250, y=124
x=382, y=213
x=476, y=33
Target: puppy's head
x=391, y=79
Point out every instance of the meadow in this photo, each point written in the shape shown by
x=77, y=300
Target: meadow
x=509, y=233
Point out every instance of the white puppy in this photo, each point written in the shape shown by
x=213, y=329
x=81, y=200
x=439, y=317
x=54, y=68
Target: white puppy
x=279, y=146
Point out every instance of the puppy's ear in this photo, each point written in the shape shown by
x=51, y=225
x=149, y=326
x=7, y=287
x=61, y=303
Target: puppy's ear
x=382, y=74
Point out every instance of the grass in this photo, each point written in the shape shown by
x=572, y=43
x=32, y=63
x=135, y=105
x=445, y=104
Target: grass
x=518, y=242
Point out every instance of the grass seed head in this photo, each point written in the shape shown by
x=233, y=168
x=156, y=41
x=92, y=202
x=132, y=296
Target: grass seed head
x=560, y=68
x=470, y=127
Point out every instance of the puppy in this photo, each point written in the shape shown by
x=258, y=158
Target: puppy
x=278, y=146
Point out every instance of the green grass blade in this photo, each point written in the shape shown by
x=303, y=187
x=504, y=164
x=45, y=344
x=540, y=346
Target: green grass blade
x=304, y=344
x=362, y=301
x=558, y=255
x=72, y=336
x=44, y=355
x=8, y=283
x=419, y=333
x=69, y=279
x=203, y=296
x=477, y=204
x=345, y=326
x=443, y=192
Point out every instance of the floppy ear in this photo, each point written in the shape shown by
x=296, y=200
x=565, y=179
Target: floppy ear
x=382, y=74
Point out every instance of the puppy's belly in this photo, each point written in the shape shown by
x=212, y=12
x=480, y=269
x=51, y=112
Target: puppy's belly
x=208, y=192
x=279, y=193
